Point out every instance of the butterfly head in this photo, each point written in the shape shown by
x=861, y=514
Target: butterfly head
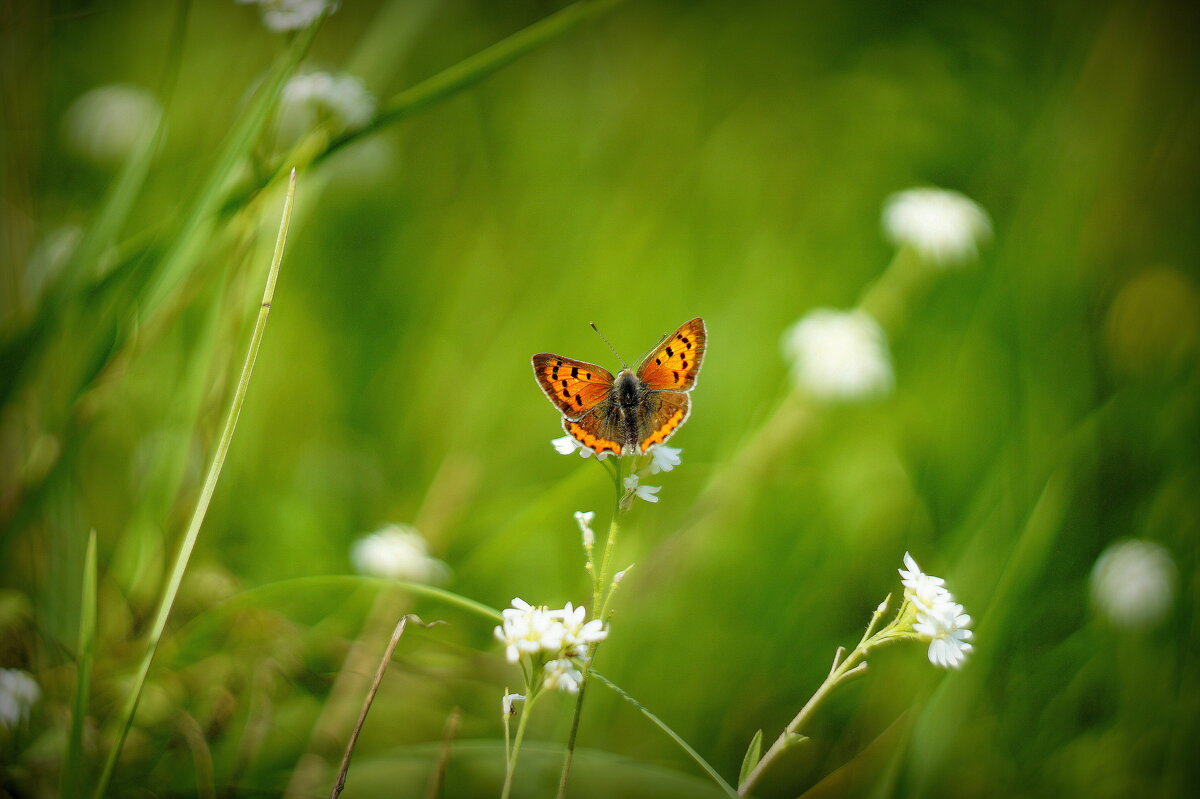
x=627, y=389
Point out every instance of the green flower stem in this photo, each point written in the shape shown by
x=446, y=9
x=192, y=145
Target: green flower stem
x=841, y=671
x=201, y=509
x=600, y=610
x=526, y=708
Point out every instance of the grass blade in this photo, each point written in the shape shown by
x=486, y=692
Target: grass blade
x=210, y=484
x=72, y=784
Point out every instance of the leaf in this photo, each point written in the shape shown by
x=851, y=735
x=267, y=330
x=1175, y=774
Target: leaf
x=753, y=755
x=73, y=769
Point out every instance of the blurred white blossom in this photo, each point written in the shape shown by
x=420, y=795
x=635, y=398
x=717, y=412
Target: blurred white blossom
x=105, y=124
x=838, y=355
x=563, y=675
x=1133, y=583
x=18, y=693
x=310, y=97
x=942, y=226
x=290, y=15
x=397, y=552
x=664, y=458
x=634, y=488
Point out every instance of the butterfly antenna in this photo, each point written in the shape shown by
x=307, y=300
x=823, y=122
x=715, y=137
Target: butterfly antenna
x=609, y=343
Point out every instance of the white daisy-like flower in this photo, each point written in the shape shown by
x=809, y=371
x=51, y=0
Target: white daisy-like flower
x=924, y=590
x=633, y=486
x=585, y=527
x=664, y=458
x=18, y=694
x=528, y=630
x=945, y=626
x=508, y=703
x=563, y=675
x=839, y=355
x=397, y=552
x=942, y=226
x=1133, y=583
x=578, y=632
x=290, y=15
x=105, y=124
x=309, y=96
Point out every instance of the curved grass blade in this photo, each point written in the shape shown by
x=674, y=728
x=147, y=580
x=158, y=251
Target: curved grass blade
x=210, y=484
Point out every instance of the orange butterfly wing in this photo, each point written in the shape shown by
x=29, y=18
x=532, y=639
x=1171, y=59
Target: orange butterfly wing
x=575, y=387
x=660, y=415
x=674, y=364
x=597, y=429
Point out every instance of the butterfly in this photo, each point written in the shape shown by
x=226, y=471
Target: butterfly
x=634, y=411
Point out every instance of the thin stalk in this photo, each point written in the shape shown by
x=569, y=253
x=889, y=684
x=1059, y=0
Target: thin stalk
x=526, y=707
x=201, y=509
x=599, y=611
x=839, y=672
x=72, y=784
x=340, y=783
x=674, y=736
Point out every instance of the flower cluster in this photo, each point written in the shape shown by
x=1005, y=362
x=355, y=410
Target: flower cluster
x=938, y=618
x=941, y=226
x=289, y=15
x=309, y=96
x=397, y=552
x=18, y=693
x=838, y=355
x=553, y=639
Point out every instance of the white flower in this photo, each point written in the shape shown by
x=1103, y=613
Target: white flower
x=565, y=445
x=105, y=124
x=942, y=226
x=924, y=590
x=18, y=693
x=563, y=675
x=838, y=355
x=528, y=630
x=568, y=444
x=585, y=527
x=578, y=633
x=290, y=15
x=309, y=96
x=663, y=458
x=507, y=703
x=1133, y=583
x=643, y=492
x=945, y=627
x=397, y=552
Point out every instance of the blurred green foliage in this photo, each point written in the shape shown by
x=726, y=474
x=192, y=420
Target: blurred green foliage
x=668, y=160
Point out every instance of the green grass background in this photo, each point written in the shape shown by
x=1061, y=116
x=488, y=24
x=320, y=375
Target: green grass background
x=668, y=160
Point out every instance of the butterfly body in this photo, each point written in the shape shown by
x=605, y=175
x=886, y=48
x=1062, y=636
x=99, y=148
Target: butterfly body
x=635, y=410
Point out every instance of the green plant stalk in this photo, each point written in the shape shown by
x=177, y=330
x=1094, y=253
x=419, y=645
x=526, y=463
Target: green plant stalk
x=447, y=83
x=599, y=583
x=201, y=509
x=72, y=784
x=842, y=670
x=526, y=707
x=674, y=736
